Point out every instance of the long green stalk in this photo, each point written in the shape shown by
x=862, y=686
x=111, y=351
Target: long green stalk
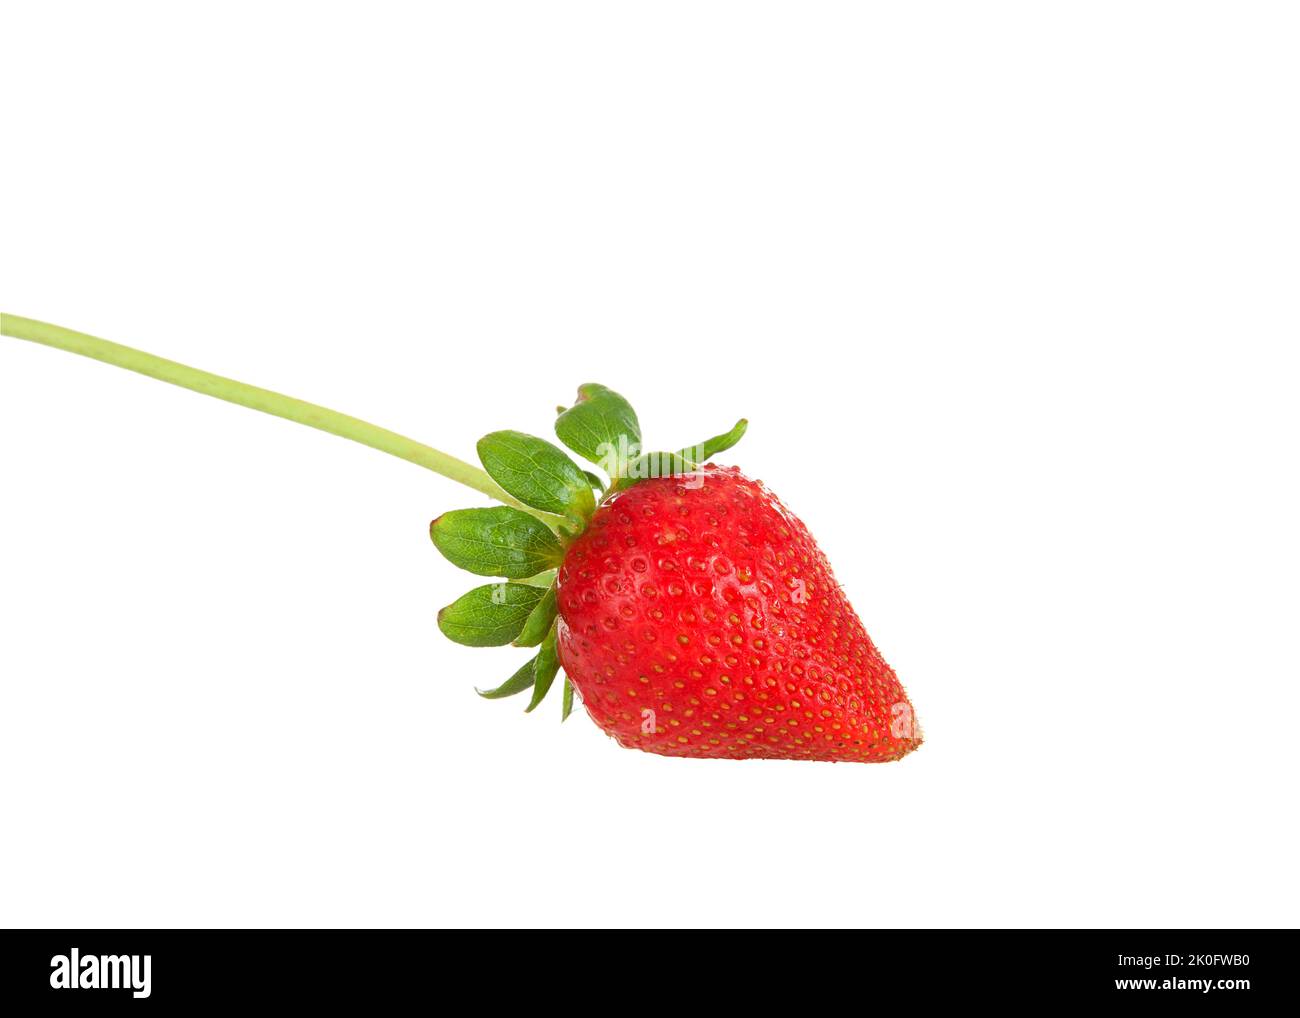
x=265, y=400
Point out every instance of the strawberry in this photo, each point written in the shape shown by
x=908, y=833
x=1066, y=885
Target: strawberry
x=691, y=611
x=702, y=620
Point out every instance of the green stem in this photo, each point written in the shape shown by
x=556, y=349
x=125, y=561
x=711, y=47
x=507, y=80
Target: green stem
x=264, y=400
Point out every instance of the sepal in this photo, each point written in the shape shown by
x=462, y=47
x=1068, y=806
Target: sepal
x=537, y=473
x=492, y=615
x=498, y=541
x=517, y=683
x=539, y=622
x=601, y=427
x=709, y=448
x=544, y=670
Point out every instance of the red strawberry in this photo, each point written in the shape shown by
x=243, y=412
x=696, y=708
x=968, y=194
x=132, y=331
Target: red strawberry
x=702, y=620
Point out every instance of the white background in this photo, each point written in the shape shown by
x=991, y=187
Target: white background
x=1008, y=291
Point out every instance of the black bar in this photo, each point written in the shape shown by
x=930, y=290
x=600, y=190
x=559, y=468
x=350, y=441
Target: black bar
x=859, y=969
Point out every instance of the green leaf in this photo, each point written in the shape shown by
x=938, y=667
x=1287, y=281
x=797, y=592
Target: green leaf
x=539, y=622
x=544, y=671
x=537, y=473
x=500, y=541
x=517, y=683
x=595, y=480
x=709, y=448
x=660, y=464
x=568, y=700
x=601, y=427
x=655, y=464
x=491, y=615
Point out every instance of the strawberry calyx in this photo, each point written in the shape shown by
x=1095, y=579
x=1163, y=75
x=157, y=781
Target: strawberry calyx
x=526, y=550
